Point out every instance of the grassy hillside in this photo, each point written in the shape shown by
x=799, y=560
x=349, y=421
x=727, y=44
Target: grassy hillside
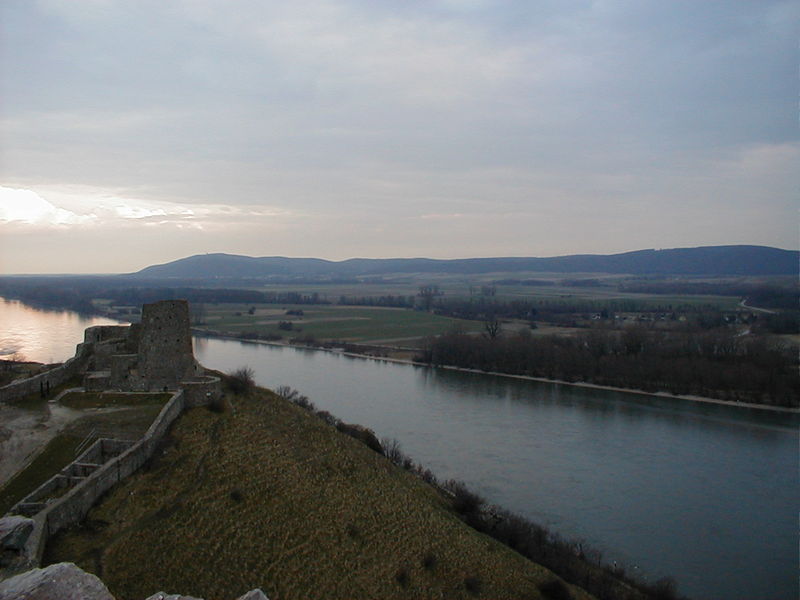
x=267, y=495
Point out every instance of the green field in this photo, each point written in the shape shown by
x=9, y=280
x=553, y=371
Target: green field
x=58, y=453
x=269, y=496
x=331, y=322
x=466, y=286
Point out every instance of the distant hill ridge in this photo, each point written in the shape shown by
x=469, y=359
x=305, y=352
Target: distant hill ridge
x=706, y=260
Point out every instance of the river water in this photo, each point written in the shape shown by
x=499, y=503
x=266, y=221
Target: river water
x=41, y=335
x=704, y=493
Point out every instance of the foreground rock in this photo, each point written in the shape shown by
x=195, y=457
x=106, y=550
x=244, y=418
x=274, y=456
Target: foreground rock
x=14, y=532
x=65, y=581
x=251, y=595
x=62, y=581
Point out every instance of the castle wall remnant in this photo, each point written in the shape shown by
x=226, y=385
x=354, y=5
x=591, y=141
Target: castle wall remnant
x=165, y=344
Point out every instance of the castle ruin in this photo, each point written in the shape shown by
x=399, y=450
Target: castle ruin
x=155, y=354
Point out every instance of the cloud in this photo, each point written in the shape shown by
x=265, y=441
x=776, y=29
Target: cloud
x=238, y=117
x=29, y=208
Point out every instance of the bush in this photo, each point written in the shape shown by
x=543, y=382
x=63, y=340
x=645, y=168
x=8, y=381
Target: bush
x=241, y=381
x=465, y=501
x=402, y=577
x=295, y=397
x=555, y=589
x=429, y=561
x=393, y=451
x=362, y=434
x=473, y=585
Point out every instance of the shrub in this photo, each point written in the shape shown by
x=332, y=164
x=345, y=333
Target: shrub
x=465, y=501
x=392, y=450
x=241, y=381
x=429, y=561
x=237, y=495
x=362, y=434
x=217, y=404
x=473, y=585
x=295, y=397
x=352, y=531
x=555, y=589
x=402, y=577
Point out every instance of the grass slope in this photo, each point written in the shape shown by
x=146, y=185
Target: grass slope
x=269, y=496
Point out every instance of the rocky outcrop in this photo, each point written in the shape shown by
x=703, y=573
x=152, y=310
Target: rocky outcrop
x=65, y=581
x=62, y=581
x=14, y=532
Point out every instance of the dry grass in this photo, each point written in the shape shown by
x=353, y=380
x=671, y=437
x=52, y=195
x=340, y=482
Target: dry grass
x=269, y=496
x=83, y=400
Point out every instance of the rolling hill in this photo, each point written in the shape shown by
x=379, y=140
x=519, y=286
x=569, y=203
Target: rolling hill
x=707, y=260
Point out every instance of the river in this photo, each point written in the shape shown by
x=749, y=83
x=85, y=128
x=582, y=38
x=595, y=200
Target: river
x=707, y=494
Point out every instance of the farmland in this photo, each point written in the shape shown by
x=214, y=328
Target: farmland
x=326, y=322
x=267, y=495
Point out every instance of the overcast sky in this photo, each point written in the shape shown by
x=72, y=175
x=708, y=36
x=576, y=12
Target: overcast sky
x=137, y=132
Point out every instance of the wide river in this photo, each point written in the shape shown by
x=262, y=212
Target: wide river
x=704, y=493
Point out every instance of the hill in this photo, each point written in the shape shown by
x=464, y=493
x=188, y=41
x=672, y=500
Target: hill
x=267, y=495
x=708, y=261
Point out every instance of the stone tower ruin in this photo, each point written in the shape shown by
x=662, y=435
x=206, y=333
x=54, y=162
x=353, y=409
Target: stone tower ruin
x=165, y=354
x=152, y=355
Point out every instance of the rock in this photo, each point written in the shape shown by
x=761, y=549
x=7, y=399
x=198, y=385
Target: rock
x=14, y=532
x=62, y=581
x=165, y=596
x=255, y=594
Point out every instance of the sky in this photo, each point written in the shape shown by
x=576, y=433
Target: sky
x=137, y=132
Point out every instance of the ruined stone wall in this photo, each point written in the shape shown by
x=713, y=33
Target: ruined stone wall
x=123, y=372
x=165, y=344
x=103, y=333
x=202, y=392
x=56, y=376
x=73, y=506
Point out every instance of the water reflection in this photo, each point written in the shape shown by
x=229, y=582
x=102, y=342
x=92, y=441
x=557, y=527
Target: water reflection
x=41, y=335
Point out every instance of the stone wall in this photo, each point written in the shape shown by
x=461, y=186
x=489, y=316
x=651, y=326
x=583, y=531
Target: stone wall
x=73, y=506
x=56, y=376
x=202, y=391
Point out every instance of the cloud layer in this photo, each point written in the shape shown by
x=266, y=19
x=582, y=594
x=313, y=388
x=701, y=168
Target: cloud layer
x=450, y=128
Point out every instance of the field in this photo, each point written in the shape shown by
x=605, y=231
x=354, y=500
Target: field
x=267, y=495
x=554, y=286
x=331, y=322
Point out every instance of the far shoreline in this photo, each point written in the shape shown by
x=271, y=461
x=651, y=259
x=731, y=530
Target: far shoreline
x=581, y=384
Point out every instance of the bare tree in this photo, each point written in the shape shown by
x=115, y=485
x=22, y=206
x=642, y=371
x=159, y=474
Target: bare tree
x=492, y=327
x=428, y=293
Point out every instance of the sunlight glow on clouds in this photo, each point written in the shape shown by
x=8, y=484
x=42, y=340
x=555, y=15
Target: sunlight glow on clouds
x=28, y=207
x=91, y=208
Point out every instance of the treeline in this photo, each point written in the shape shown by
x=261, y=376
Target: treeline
x=768, y=296
x=561, y=310
x=715, y=364
x=390, y=300
x=76, y=293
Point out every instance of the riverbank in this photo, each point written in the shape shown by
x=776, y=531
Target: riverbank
x=581, y=384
